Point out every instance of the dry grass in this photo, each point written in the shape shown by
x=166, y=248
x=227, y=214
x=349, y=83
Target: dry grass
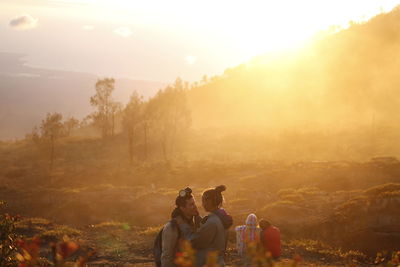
x=150, y=231
x=58, y=232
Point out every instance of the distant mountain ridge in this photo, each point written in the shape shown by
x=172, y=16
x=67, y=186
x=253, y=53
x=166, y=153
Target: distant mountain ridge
x=27, y=94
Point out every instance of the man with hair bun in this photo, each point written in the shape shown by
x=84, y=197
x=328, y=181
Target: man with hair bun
x=212, y=235
x=167, y=242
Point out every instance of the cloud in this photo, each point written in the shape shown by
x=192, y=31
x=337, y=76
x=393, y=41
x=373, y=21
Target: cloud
x=123, y=31
x=23, y=22
x=190, y=60
x=88, y=27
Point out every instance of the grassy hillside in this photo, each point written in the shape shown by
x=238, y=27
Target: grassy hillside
x=331, y=99
x=335, y=80
x=93, y=182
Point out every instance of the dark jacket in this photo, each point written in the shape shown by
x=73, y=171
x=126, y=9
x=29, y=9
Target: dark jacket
x=170, y=238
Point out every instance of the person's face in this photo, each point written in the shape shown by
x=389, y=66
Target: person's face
x=190, y=209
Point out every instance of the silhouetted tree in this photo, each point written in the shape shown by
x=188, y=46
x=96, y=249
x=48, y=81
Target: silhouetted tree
x=70, y=125
x=132, y=117
x=169, y=111
x=106, y=107
x=51, y=129
x=86, y=121
x=146, y=120
x=33, y=136
x=204, y=80
x=116, y=108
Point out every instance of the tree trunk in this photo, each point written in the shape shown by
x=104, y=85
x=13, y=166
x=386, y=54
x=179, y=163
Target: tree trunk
x=106, y=118
x=130, y=137
x=113, y=124
x=51, y=153
x=164, y=147
x=145, y=141
x=105, y=126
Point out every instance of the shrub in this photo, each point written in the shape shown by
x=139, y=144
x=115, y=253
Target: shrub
x=59, y=232
x=29, y=253
x=7, y=240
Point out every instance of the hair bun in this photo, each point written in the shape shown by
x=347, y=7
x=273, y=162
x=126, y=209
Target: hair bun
x=220, y=188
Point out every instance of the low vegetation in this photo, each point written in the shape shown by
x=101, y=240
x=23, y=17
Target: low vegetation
x=108, y=182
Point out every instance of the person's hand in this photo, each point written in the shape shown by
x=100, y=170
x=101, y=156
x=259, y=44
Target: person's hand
x=197, y=220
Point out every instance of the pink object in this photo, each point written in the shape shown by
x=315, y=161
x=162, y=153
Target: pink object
x=247, y=234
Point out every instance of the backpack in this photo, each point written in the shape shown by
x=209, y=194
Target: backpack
x=157, y=248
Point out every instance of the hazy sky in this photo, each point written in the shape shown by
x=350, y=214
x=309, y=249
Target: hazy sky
x=160, y=40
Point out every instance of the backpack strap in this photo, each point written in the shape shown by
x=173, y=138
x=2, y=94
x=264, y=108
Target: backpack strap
x=175, y=225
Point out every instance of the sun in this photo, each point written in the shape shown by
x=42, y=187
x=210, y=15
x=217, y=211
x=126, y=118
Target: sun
x=249, y=27
x=252, y=26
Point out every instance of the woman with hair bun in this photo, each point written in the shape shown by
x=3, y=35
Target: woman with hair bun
x=212, y=235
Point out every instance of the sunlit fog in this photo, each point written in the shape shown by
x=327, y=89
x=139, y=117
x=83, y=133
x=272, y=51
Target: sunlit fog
x=199, y=133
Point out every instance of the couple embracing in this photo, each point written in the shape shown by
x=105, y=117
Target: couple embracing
x=207, y=234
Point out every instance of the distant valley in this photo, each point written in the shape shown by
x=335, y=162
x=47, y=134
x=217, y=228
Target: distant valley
x=27, y=94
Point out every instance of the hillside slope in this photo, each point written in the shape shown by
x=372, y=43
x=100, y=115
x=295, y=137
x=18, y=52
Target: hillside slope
x=340, y=80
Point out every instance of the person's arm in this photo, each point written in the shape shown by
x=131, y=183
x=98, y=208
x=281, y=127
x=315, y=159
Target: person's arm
x=203, y=237
x=169, y=242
